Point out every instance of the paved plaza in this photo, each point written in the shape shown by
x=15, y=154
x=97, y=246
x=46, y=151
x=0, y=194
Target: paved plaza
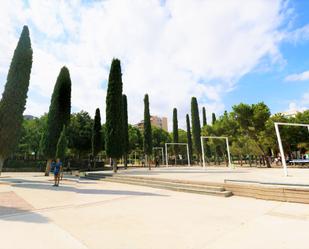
x=297, y=176
x=84, y=214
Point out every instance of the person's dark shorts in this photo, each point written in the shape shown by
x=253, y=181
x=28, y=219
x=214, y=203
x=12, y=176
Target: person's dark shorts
x=56, y=173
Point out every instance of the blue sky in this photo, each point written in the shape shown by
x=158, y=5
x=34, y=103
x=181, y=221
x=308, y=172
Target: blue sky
x=271, y=86
x=222, y=52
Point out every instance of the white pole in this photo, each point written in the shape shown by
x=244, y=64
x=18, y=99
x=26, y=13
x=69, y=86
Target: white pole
x=281, y=150
x=188, y=155
x=162, y=155
x=166, y=158
x=228, y=152
x=203, y=154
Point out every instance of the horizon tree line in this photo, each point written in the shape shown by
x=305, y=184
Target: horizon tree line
x=249, y=126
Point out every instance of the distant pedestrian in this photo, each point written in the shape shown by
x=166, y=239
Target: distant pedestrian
x=157, y=162
x=57, y=171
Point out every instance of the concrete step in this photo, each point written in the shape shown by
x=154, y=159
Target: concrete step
x=169, y=182
x=190, y=188
x=174, y=188
x=97, y=176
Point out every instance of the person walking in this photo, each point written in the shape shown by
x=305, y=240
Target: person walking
x=57, y=171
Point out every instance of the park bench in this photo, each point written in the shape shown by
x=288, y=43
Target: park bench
x=300, y=161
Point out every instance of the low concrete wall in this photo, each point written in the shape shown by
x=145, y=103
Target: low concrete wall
x=269, y=192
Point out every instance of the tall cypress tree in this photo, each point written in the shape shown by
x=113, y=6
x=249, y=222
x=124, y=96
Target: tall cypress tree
x=114, y=118
x=96, y=140
x=62, y=145
x=196, y=127
x=204, y=117
x=214, y=119
x=175, y=132
x=147, y=130
x=125, y=129
x=58, y=115
x=189, y=136
x=12, y=104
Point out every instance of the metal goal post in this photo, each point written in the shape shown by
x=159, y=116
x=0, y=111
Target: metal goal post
x=227, y=146
x=285, y=169
x=166, y=154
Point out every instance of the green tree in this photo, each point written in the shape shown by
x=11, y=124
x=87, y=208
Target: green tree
x=160, y=137
x=189, y=136
x=135, y=139
x=147, y=131
x=196, y=127
x=32, y=131
x=214, y=119
x=96, y=140
x=58, y=115
x=126, y=147
x=62, y=145
x=114, y=118
x=204, y=117
x=80, y=133
x=12, y=104
x=252, y=121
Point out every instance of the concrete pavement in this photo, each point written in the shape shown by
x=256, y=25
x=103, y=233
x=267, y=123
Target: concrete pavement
x=96, y=215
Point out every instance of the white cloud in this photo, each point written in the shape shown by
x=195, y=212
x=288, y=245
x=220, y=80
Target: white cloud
x=172, y=50
x=300, y=105
x=298, y=35
x=298, y=77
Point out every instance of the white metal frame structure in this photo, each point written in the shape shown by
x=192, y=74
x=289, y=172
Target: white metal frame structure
x=162, y=153
x=166, y=155
x=285, y=169
x=227, y=145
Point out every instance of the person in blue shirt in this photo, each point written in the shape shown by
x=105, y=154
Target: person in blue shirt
x=57, y=170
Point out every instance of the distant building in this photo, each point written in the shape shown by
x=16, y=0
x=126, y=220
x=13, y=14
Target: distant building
x=291, y=113
x=160, y=122
x=29, y=117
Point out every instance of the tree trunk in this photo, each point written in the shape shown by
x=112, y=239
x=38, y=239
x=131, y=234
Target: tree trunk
x=268, y=164
x=240, y=160
x=47, y=168
x=1, y=164
x=94, y=162
x=125, y=160
x=148, y=162
x=250, y=161
x=115, y=165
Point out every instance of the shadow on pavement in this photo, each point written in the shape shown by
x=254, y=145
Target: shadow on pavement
x=18, y=180
x=23, y=215
x=83, y=191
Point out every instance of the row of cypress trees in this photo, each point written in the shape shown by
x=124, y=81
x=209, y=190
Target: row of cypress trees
x=54, y=141
x=196, y=128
